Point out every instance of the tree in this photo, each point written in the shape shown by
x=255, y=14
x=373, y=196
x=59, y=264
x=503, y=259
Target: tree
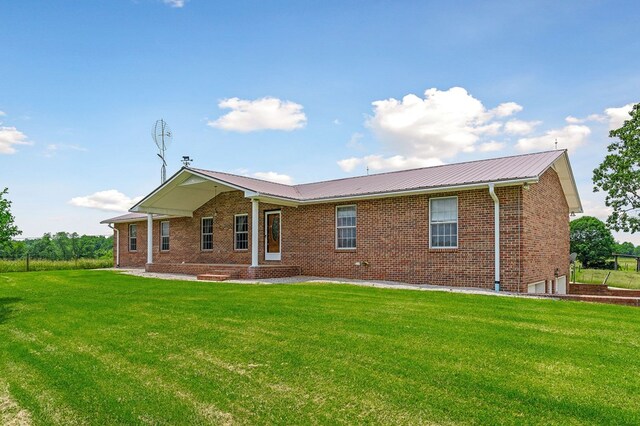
x=8, y=229
x=619, y=175
x=591, y=240
x=624, y=248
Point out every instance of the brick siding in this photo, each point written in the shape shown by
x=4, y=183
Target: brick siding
x=392, y=238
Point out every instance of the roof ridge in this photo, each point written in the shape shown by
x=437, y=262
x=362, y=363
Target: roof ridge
x=432, y=167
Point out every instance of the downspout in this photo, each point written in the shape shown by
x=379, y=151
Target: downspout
x=117, y=244
x=496, y=227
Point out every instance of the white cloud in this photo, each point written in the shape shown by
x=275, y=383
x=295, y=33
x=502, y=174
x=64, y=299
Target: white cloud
x=520, y=127
x=260, y=114
x=2, y=113
x=568, y=137
x=355, y=142
x=491, y=146
x=175, y=3
x=506, y=109
x=337, y=122
x=274, y=177
x=10, y=137
x=440, y=126
x=380, y=163
x=53, y=148
x=617, y=116
x=109, y=200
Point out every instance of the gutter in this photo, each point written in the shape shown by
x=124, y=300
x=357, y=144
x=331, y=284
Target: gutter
x=117, y=244
x=496, y=227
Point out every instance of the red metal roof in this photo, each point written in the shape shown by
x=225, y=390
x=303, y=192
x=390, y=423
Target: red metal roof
x=472, y=172
x=495, y=170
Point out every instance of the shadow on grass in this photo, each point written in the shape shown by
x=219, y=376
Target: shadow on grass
x=5, y=307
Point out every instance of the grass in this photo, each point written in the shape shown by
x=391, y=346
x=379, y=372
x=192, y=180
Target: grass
x=53, y=265
x=97, y=347
x=625, y=277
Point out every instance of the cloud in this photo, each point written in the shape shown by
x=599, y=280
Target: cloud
x=441, y=125
x=2, y=113
x=10, y=137
x=53, y=148
x=380, y=163
x=617, y=116
x=274, y=177
x=520, y=127
x=109, y=200
x=337, y=122
x=491, y=146
x=506, y=109
x=568, y=137
x=260, y=114
x=175, y=3
x=355, y=142
x=593, y=117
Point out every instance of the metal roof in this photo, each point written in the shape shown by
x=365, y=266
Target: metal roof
x=472, y=172
x=505, y=170
x=129, y=217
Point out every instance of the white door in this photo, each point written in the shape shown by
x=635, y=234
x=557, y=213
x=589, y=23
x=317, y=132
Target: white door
x=561, y=285
x=272, y=236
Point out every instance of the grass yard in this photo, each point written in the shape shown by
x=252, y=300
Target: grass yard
x=622, y=279
x=96, y=347
x=53, y=265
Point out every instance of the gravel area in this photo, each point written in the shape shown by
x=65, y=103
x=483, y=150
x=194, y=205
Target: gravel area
x=310, y=279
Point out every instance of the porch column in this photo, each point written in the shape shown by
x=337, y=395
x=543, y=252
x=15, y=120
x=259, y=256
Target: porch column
x=254, y=232
x=149, y=238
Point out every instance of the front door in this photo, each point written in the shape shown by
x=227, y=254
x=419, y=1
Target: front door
x=272, y=237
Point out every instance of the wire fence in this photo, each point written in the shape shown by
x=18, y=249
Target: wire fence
x=29, y=264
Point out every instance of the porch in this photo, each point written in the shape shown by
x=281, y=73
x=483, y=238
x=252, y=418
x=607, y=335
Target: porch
x=233, y=271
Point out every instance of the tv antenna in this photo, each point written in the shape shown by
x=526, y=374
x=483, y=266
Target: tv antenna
x=162, y=136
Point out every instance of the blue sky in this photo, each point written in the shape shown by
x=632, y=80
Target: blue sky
x=297, y=92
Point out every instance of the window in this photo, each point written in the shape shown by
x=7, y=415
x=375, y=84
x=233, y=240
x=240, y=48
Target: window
x=164, y=236
x=346, y=227
x=133, y=237
x=207, y=233
x=444, y=222
x=241, y=232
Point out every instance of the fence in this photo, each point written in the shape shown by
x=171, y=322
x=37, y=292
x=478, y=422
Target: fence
x=28, y=264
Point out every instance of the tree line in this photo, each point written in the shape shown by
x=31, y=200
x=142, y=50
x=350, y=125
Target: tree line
x=59, y=246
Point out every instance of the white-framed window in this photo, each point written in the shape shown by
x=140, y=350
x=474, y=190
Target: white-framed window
x=443, y=222
x=241, y=232
x=133, y=237
x=346, y=227
x=164, y=236
x=206, y=228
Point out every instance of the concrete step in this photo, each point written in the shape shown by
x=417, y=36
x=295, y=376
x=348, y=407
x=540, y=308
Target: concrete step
x=213, y=277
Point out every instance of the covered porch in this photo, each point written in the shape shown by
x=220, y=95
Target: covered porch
x=189, y=190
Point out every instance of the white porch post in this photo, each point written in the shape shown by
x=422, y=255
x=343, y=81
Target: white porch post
x=254, y=232
x=149, y=238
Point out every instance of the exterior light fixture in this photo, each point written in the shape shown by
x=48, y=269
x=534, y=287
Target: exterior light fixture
x=526, y=186
x=572, y=214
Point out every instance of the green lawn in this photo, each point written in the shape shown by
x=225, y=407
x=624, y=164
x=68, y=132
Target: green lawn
x=53, y=265
x=622, y=279
x=96, y=347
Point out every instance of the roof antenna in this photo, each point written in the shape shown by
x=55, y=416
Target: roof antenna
x=556, y=143
x=186, y=160
x=162, y=136
x=367, y=170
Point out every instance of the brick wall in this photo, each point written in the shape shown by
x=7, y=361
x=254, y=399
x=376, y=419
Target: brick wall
x=545, y=243
x=392, y=237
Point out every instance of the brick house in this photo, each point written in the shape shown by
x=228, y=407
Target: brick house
x=434, y=225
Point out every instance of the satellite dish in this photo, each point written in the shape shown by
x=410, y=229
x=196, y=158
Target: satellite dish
x=573, y=257
x=162, y=136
